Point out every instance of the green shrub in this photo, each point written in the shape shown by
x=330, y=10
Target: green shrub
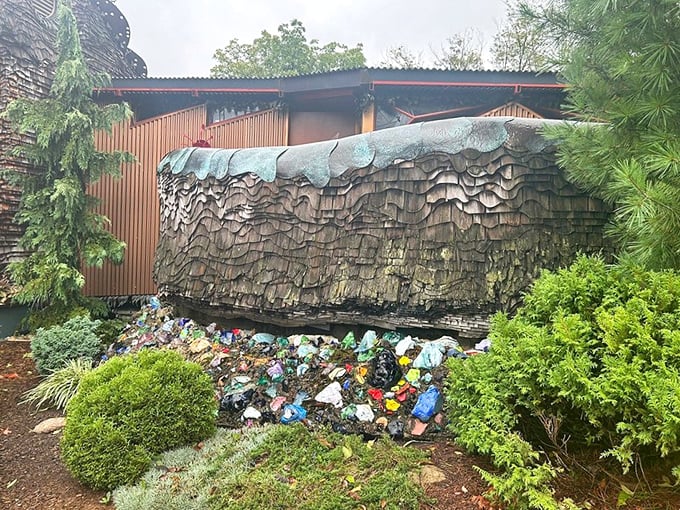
x=109, y=330
x=132, y=408
x=53, y=348
x=591, y=360
x=60, y=386
x=57, y=313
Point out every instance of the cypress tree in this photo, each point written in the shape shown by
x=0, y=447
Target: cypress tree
x=62, y=230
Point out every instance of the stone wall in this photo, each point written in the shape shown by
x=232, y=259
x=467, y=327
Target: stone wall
x=448, y=222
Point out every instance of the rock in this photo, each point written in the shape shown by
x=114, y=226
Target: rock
x=429, y=475
x=49, y=425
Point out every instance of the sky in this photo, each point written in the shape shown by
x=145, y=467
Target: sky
x=179, y=37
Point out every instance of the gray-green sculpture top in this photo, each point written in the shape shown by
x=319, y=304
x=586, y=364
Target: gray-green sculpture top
x=321, y=161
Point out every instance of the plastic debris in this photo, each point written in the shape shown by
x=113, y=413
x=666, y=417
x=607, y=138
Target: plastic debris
x=373, y=388
x=404, y=345
x=431, y=356
x=413, y=375
x=263, y=338
x=428, y=404
x=392, y=405
x=386, y=371
x=484, y=345
x=293, y=413
x=364, y=413
x=276, y=403
x=395, y=428
x=418, y=427
x=348, y=342
x=331, y=394
x=367, y=341
x=154, y=303
x=251, y=414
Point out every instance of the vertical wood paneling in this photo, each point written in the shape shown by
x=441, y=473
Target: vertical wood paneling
x=512, y=109
x=260, y=129
x=132, y=204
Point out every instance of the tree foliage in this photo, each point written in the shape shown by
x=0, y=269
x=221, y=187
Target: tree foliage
x=61, y=228
x=623, y=69
x=461, y=51
x=521, y=43
x=287, y=53
x=400, y=57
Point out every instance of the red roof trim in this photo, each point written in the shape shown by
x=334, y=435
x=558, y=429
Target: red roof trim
x=188, y=90
x=467, y=84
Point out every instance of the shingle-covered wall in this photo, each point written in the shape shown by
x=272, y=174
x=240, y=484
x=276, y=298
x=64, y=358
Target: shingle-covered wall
x=27, y=57
x=438, y=230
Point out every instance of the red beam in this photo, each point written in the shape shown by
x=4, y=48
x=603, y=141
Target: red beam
x=120, y=90
x=468, y=84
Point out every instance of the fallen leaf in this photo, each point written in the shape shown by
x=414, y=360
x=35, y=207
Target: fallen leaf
x=482, y=503
x=6, y=432
x=12, y=375
x=347, y=451
x=325, y=442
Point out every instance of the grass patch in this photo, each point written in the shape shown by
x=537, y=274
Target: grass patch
x=60, y=386
x=283, y=467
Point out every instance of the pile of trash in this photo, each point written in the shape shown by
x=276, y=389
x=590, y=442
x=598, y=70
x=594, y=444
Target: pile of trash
x=370, y=385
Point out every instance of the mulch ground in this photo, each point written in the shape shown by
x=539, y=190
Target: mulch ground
x=32, y=475
x=31, y=472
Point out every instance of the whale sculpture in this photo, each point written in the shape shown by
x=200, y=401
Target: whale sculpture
x=436, y=225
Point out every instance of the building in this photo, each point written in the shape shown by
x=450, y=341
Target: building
x=175, y=112
x=238, y=113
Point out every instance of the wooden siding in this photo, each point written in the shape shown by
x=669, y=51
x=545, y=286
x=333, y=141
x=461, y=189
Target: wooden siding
x=512, y=109
x=260, y=129
x=310, y=127
x=131, y=203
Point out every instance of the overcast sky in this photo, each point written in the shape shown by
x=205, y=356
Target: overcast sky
x=179, y=37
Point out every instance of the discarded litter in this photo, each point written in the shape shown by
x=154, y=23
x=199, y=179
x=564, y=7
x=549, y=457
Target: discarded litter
x=428, y=404
x=384, y=383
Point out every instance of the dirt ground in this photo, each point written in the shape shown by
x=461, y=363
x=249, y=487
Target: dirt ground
x=32, y=475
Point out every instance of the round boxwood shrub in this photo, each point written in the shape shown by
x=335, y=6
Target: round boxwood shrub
x=54, y=347
x=132, y=408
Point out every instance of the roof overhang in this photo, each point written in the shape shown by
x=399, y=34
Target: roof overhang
x=341, y=81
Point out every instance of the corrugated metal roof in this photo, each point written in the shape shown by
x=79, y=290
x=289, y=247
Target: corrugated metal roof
x=354, y=70
x=351, y=78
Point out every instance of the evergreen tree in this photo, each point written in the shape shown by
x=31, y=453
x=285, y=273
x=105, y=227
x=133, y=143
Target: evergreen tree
x=623, y=72
x=61, y=228
x=287, y=53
